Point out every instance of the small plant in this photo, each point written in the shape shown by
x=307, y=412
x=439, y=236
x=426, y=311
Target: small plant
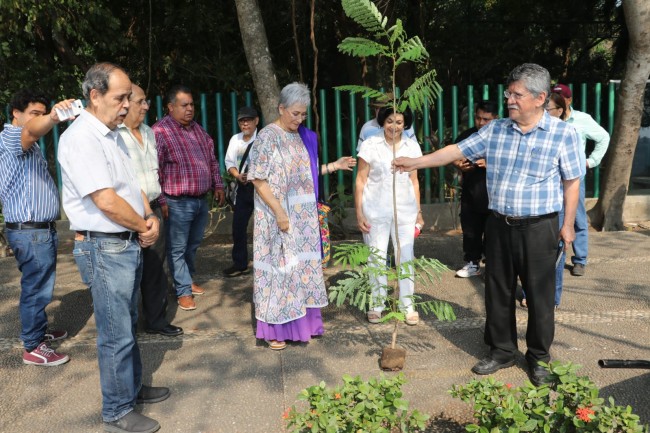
x=566, y=404
x=357, y=287
x=373, y=406
x=339, y=202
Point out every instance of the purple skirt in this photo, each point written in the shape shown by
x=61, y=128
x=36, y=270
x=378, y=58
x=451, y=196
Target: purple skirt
x=301, y=329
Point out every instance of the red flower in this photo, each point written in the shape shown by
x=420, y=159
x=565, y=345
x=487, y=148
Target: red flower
x=508, y=385
x=583, y=413
x=285, y=415
x=337, y=396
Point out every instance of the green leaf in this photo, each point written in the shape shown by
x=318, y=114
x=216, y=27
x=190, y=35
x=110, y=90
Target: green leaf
x=396, y=33
x=366, y=14
x=411, y=50
x=424, y=87
x=362, y=47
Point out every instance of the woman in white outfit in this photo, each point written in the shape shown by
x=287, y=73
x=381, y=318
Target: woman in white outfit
x=374, y=203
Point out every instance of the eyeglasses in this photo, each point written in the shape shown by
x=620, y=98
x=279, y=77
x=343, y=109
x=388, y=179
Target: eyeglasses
x=552, y=108
x=298, y=115
x=245, y=120
x=515, y=95
x=143, y=102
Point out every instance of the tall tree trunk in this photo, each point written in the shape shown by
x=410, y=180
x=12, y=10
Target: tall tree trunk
x=608, y=213
x=258, y=56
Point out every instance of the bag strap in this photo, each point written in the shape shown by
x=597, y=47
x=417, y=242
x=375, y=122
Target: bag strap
x=243, y=159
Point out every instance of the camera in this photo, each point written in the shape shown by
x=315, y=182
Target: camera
x=72, y=112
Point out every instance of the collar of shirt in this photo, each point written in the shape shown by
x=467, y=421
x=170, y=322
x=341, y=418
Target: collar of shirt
x=543, y=123
x=101, y=127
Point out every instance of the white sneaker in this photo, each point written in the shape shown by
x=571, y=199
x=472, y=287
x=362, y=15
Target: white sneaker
x=471, y=269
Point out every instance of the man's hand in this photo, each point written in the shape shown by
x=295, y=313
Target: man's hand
x=149, y=237
x=243, y=177
x=480, y=163
x=62, y=105
x=220, y=196
x=567, y=235
x=464, y=165
x=404, y=163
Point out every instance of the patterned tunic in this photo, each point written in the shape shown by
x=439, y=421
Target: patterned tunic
x=288, y=275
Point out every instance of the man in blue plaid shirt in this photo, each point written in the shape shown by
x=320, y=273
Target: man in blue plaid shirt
x=534, y=164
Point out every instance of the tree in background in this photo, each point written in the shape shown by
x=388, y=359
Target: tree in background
x=608, y=213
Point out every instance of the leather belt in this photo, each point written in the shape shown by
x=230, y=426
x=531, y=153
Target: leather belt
x=125, y=236
x=154, y=204
x=184, y=196
x=31, y=225
x=516, y=221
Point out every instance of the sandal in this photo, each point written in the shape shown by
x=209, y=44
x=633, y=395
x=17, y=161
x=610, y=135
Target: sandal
x=523, y=303
x=412, y=318
x=277, y=345
x=374, y=317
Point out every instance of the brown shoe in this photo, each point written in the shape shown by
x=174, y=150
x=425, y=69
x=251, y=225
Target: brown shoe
x=197, y=290
x=186, y=303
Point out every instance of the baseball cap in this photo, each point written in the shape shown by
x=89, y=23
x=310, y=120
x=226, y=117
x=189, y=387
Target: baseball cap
x=246, y=113
x=563, y=90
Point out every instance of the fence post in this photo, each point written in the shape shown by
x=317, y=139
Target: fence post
x=499, y=97
x=597, y=95
x=353, y=133
x=427, y=147
x=470, y=106
x=233, y=113
x=220, y=144
x=441, y=140
x=323, y=134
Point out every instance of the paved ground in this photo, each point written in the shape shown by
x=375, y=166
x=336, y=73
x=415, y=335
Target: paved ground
x=224, y=381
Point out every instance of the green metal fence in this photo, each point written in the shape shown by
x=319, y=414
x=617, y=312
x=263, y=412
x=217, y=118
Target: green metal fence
x=341, y=116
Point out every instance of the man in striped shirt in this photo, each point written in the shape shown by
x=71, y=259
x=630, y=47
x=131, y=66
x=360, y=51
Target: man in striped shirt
x=30, y=204
x=534, y=164
x=188, y=170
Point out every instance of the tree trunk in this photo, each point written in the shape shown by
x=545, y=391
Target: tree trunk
x=258, y=56
x=608, y=213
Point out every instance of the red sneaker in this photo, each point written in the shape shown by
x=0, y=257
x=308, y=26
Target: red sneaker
x=44, y=355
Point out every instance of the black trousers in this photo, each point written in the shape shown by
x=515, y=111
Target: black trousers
x=244, y=205
x=154, y=281
x=526, y=252
x=473, y=225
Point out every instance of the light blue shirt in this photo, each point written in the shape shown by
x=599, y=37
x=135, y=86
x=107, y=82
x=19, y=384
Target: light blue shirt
x=27, y=191
x=524, y=171
x=371, y=128
x=588, y=128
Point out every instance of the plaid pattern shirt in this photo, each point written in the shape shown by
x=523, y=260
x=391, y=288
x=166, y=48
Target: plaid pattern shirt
x=186, y=161
x=524, y=171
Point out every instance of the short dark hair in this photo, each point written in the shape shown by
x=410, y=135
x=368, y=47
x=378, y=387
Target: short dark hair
x=488, y=106
x=22, y=98
x=385, y=112
x=175, y=90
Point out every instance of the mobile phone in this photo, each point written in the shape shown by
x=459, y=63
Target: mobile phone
x=71, y=112
x=560, y=251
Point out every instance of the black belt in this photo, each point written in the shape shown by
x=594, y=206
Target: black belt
x=517, y=221
x=31, y=225
x=182, y=196
x=125, y=236
x=154, y=204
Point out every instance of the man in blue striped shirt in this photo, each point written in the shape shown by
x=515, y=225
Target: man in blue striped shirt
x=30, y=204
x=534, y=164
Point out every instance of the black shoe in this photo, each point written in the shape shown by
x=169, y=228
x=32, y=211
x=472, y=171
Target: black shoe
x=168, y=331
x=488, y=365
x=234, y=272
x=538, y=375
x=578, y=270
x=152, y=394
x=132, y=422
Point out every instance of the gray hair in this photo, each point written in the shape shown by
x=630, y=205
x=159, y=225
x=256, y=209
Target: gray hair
x=536, y=78
x=97, y=78
x=294, y=93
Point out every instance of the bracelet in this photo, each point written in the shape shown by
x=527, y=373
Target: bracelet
x=150, y=215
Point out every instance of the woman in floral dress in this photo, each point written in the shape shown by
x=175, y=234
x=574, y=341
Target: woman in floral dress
x=288, y=287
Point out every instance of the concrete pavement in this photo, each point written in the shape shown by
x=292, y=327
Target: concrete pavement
x=224, y=381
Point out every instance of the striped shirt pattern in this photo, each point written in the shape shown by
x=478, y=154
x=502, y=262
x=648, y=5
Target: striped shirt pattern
x=27, y=191
x=186, y=161
x=144, y=158
x=524, y=171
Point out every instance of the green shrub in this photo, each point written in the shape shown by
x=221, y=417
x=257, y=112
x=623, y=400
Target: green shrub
x=566, y=404
x=356, y=406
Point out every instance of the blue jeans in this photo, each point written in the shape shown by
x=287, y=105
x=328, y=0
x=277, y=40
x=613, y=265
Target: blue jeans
x=559, y=270
x=580, y=245
x=185, y=226
x=35, y=252
x=112, y=268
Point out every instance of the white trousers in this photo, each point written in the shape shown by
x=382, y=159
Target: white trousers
x=378, y=238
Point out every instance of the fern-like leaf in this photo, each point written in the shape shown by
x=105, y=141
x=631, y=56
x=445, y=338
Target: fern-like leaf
x=362, y=47
x=366, y=14
x=366, y=92
x=396, y=33
x=411, y=50
x=424, y=87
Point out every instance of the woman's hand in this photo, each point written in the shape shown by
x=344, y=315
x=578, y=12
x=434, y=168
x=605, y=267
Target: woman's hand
x=420, y=220
x=282, y=220
x=345, y=163
x=362, y=223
